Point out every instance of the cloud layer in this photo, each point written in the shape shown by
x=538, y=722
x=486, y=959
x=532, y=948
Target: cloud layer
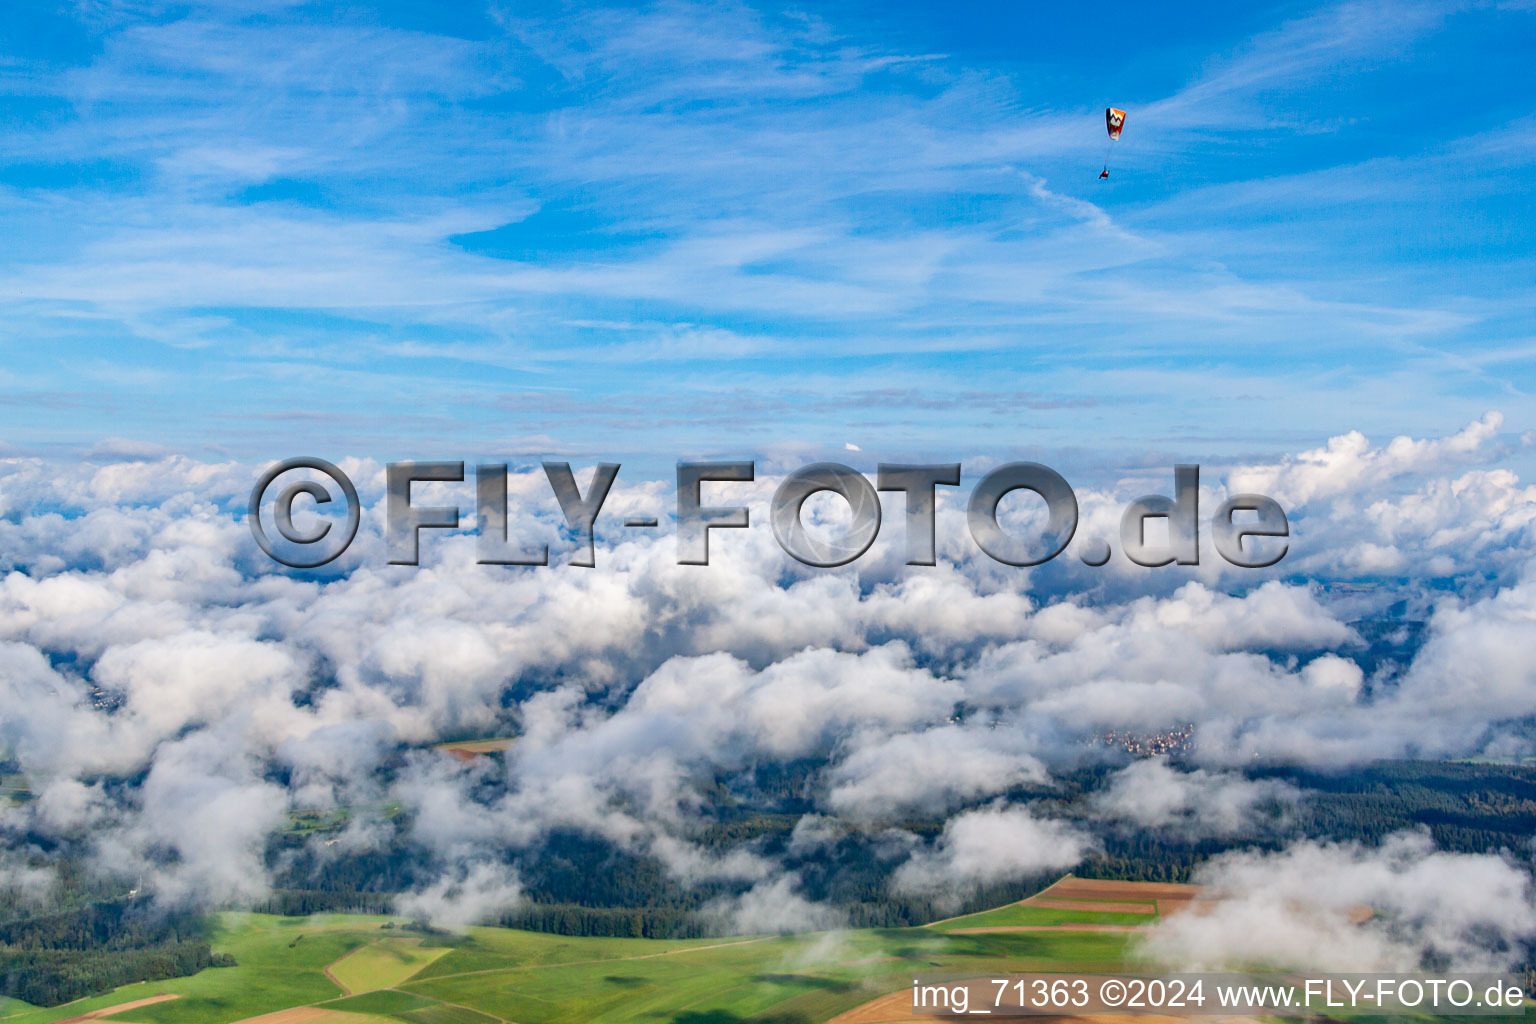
x=171, y=695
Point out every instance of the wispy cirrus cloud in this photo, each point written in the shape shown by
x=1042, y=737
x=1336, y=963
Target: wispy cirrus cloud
x=794, y=195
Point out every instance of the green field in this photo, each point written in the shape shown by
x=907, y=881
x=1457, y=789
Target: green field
x=383, y=964
x=397, y=1006
x=816, y=976
x=490, y=975
x=1016, y=914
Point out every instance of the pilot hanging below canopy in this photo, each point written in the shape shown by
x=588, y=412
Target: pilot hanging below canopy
x=1114, y=120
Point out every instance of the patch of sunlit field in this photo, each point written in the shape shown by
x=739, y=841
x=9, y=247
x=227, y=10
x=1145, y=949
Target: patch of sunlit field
x=383, y=964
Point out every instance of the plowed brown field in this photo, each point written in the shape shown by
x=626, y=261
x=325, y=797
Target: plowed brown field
x=1094, y=893
x=896, y=1008
x=119, y=1008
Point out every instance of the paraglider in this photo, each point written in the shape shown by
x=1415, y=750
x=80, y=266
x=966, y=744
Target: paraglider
x=1114, y=120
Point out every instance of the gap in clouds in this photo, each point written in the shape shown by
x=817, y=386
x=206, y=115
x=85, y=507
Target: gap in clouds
x=744, y=736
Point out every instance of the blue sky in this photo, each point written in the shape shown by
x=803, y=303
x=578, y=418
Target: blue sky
x=431, y=230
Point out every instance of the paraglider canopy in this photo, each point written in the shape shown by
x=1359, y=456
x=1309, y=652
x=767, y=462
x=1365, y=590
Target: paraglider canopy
x=1114, y=120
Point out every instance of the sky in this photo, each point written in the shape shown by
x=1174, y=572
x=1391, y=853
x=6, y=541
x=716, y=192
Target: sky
x=646, y=233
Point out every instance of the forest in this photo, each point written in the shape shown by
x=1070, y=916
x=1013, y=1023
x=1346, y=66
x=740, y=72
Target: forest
x=86, y=941
x=580, y=885
x=55, y=958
